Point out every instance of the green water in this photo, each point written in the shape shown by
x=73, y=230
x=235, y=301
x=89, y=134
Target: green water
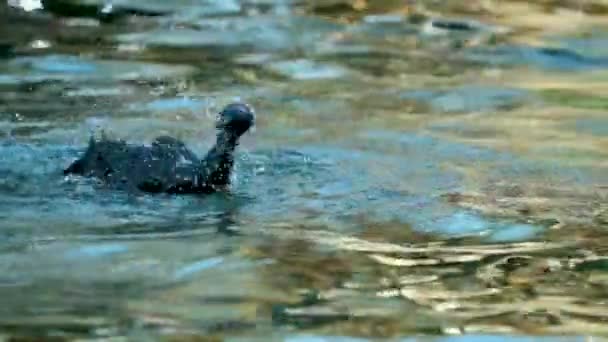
x=417, y=171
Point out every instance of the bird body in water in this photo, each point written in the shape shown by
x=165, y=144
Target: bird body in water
x=167, y=165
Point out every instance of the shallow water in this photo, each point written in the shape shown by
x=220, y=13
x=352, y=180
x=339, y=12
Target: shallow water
x=414, y=172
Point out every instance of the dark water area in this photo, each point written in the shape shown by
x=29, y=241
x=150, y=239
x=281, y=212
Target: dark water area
x=417, y=171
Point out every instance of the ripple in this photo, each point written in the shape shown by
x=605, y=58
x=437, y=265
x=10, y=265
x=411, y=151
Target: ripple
x=72, y=68
x=470, y=98
x=307, y=70
x=96, y=251
x=559, y=59
x=355, y=212
x=250, y=34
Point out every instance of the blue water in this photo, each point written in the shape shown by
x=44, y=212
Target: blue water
x=364, y=125
x=463, y=338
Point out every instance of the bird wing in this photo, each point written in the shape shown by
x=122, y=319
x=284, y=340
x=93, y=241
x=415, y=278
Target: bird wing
x=168, y=165
x=177, y=147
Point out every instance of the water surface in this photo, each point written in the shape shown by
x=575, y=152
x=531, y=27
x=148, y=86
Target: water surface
x=416, y=173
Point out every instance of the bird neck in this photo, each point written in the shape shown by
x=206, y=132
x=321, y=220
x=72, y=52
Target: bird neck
x=218, y=163
x=226, y=142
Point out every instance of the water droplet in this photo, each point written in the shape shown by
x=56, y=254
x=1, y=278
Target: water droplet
x=107, y=8
x=40, y=44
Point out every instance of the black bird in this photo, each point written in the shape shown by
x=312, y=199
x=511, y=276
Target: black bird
x=167, y=166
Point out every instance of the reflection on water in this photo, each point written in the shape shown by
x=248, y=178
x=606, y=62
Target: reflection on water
x=416, y=171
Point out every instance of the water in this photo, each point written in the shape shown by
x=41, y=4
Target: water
x=410, y=176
